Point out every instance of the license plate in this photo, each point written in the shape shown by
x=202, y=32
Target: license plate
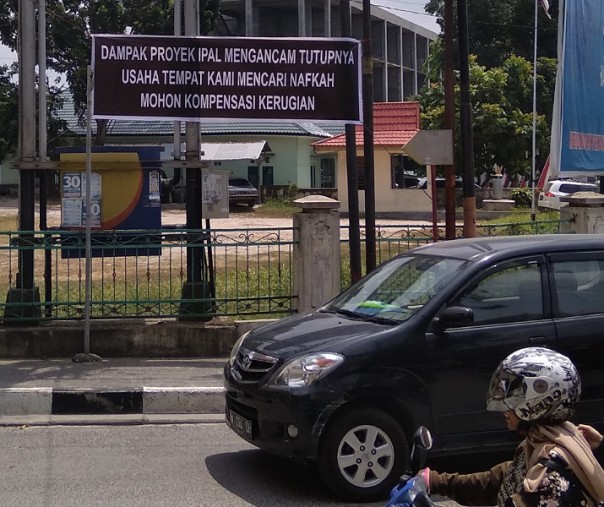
x=241, y=425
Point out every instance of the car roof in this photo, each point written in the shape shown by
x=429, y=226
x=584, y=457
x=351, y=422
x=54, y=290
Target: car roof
x=572, y=182
x=475, y=249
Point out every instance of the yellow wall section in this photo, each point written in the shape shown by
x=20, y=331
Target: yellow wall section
x=121, y=180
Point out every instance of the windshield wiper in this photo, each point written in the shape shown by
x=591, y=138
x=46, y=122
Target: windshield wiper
x=383, y=320
x=349, y=313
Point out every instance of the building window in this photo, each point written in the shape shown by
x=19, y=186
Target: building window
x=267, y=175
x=404, y=172
x=328, y=173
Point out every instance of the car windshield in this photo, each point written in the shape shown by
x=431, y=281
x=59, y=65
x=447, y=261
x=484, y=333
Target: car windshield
x=572, y=188
x=239, y=182
x=397, y=289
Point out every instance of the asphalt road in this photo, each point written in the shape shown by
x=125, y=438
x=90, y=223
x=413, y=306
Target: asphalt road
x=168, y=465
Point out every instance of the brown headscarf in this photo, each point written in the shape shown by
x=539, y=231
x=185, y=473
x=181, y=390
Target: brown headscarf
x=572, y=447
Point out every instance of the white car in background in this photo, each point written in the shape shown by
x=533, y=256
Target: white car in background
x=549, y=197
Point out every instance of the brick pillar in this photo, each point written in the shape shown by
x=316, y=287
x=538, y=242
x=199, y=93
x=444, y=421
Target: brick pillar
x=316, y=251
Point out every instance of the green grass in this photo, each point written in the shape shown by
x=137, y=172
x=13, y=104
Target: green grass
x=246, y=293
x=523, y=215
x=276, y=208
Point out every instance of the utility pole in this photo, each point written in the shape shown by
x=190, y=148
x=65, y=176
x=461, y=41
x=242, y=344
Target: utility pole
x=449, y=120
x=354, y=229
x=465, y=113
x=196, y=290
x=370, y=243
x=22, y=299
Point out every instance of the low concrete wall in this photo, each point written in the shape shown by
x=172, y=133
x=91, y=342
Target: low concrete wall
x=123, y=339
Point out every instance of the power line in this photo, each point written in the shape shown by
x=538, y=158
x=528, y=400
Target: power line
x=399, y=9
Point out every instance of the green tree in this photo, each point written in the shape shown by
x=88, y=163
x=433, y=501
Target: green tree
x=498, y=30
x=9, y=113
x=70, y=25
x=502, y=112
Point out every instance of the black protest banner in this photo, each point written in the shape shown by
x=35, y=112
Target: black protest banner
x=194, y=78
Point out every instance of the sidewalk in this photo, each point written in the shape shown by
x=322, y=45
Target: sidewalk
x=120, y=391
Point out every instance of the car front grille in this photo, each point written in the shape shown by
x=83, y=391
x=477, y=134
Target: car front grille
x=253, y=367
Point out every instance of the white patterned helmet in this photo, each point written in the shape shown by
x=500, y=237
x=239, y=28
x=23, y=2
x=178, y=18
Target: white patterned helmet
x=538, y=384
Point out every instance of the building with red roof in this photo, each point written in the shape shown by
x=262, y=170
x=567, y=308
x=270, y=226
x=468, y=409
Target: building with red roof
x=396, y=175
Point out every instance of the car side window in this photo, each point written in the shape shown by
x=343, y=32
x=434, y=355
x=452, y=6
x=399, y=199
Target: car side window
x=511, y=294
x=579, y=286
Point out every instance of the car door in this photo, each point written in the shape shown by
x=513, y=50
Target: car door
x=578, y=305
x=510, y=312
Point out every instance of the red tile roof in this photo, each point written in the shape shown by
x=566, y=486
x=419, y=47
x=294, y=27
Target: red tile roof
x=394, y=124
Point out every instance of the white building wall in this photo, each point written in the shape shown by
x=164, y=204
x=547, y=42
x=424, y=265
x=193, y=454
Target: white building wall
x=289, y=157
x=303, y=154
x=387, y=199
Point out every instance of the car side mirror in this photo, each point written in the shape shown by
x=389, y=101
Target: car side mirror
x=422, y=439
x=456, y=316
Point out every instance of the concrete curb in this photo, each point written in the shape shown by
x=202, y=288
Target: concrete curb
x=152, y=401
x=143, y=338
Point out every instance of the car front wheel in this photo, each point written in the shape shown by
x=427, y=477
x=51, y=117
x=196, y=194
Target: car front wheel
x=363, y=454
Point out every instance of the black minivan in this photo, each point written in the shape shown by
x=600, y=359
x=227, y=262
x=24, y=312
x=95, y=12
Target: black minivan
x=415, y=343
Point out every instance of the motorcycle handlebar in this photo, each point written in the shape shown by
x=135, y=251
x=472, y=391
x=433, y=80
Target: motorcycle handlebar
x=423, y=500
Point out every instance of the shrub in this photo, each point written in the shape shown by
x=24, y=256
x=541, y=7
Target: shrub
x=522, y=197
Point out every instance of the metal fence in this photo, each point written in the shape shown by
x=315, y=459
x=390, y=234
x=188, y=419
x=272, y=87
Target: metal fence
x=180, y=273
x=147, y=274
x=392, y=240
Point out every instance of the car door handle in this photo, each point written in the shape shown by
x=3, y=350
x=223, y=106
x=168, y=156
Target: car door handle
x=538, y=340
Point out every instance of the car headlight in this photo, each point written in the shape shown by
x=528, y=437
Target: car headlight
x=303, y=371
x=235, y=349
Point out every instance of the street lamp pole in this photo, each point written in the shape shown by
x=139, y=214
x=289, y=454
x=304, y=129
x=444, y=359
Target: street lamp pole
x=534, y=140
x=465, y=113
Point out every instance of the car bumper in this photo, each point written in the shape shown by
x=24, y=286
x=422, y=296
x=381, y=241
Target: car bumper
x=243, y=198
x=547, y=205
x=276, y=421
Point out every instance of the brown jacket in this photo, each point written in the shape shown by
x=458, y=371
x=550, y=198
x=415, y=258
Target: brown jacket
x=563, y=439
x=470, y=489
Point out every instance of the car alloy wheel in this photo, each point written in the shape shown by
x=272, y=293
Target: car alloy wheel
x=363, y=455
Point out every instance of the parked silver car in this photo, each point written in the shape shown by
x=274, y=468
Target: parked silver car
x=549, y=197
x=241, y=191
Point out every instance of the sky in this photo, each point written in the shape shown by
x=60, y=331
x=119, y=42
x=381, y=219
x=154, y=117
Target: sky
x=413, y=10
x=6, y=56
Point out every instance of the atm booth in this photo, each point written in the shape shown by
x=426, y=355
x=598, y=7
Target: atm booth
x=125, y=194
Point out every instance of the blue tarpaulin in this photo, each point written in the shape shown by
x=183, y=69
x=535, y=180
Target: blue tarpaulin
x=577, y=146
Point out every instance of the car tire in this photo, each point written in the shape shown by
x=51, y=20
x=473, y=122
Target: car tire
x=363, y=454
x=251, y=204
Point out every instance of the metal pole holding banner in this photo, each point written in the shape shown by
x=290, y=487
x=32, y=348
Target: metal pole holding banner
x=196, y=290
x=354, y=231
x=368, y=149
x=88, y=268
x=86, y=356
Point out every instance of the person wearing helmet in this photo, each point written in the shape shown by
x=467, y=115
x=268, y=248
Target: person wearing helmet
x=536, y=389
